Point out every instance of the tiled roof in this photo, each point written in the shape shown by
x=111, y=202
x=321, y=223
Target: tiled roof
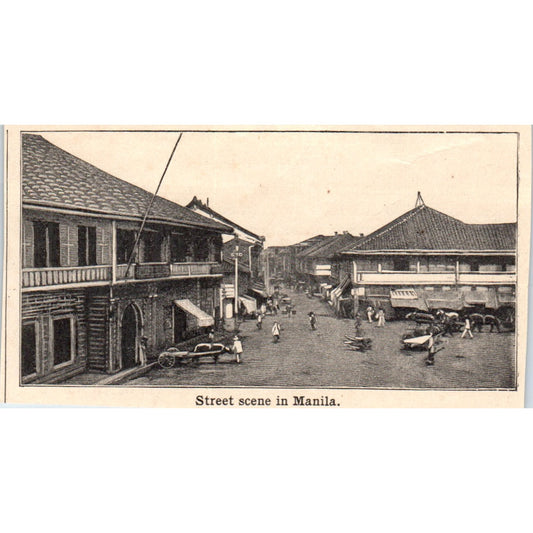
x=424, y=228
x=198, y=204
x=331, y=246
x=312, y=250
x=54, y=178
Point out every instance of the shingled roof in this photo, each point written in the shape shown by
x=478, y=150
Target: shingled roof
x=424, y=228
x=331, y=246
x=52, y=177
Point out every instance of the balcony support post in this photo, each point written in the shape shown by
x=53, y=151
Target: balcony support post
x=113, y=252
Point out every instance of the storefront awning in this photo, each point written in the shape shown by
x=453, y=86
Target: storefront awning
x=202, y=318
x=445, y=303
x=337, y=291
x=407, y=298
x=261, y=292
x=249, y=303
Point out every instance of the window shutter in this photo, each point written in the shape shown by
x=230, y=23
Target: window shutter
x=103, y=251
x=68, y=244
x=27, y=244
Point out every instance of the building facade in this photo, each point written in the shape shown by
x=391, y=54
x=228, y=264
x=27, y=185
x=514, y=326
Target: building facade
x=426, y=260
x=96, y=295
x=249, y=248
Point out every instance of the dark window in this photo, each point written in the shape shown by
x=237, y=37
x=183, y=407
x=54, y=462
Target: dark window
x=39, y=238
x=152, y=246
x=46, y=244
x=125, y=244
x=401, y=264
x=62, y=341
x=53, y=244
x=474, y=266
x=201, y=250
x=29, y=349
x=86, y=245
x=178, y=248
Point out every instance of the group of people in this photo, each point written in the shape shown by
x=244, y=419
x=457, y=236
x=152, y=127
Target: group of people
x=372, y=314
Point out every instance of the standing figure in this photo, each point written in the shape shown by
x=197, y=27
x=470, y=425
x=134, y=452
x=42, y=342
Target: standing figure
x=237, y=348
x=432, y=348
x=211, y=337
x=357, y=324
x=467, y=329
x=259, y=322
x=276, y=330
x=143, y=347
x=381, y=317
x=369, y=313
x=263, y=308
x=312, y=320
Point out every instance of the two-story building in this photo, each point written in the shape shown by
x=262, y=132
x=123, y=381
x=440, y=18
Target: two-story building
x=249, y=247
x=91, y=299
x=427, y=260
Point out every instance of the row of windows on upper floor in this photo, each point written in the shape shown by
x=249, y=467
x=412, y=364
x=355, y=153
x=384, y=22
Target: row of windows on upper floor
x=43, y=244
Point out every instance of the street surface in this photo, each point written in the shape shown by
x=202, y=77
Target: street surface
x=314, y=359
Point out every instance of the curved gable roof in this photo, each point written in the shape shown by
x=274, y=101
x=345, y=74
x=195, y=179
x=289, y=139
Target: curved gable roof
x=52, y=177
x=424, y=228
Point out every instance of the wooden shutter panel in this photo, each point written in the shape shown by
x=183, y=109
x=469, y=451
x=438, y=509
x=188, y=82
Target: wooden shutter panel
x=27, y=244
x=68, y=244
x=103, y=246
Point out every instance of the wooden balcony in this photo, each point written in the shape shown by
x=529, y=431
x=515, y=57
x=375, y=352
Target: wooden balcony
x=44, y=277
x=35, y=278
x=436, y=278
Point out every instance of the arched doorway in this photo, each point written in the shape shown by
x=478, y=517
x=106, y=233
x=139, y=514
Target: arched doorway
x=130, y=336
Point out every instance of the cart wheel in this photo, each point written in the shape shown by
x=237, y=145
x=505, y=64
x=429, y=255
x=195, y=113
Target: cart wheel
x=166, y=360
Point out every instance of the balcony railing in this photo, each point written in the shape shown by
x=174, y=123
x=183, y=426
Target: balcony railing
x=42, y=277
x=443, y=278
x=88, y=275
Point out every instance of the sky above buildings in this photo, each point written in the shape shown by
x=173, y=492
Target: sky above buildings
x=290, y=186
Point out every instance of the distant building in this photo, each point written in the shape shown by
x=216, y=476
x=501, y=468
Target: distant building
x=428, y=260
x=83, y=307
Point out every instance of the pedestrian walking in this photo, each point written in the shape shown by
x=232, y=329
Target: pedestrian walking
x=276, y=331
x=312, y=320
x=370, y=313
x=467, y=329
x=237, y=348
x=381, y=317
x=263, y=308
x=259, y=322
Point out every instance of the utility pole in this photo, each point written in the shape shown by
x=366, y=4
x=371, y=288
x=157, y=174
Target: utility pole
x=236, y=254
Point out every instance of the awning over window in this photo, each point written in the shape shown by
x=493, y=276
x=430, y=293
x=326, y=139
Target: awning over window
x=249, y=303
x=407, y=298
x=202, y=318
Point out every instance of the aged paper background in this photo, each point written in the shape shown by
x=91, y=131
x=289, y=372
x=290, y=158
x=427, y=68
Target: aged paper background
x=464, y=203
